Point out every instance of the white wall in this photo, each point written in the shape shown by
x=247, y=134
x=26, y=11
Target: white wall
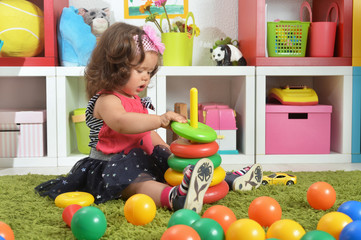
x=216, y=19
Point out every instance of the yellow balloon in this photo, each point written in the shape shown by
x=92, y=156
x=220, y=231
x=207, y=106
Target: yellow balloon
x=286, y=229
x=245, y=229
x=333, y=223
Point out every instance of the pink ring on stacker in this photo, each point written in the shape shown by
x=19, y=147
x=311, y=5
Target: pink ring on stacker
x=186, y=149
x=81, y=198
x=175, y=178
x=216, y=193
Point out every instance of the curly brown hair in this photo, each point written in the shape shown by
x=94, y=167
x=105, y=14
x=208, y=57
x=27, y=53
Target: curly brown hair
x=113, y=58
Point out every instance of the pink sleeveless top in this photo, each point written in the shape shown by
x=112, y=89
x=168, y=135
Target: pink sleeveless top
x=111, y=141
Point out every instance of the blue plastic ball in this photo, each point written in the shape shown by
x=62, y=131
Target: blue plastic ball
x=352, y=209
x=351, y=231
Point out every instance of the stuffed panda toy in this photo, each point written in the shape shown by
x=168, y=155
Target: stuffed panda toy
x=224, y=55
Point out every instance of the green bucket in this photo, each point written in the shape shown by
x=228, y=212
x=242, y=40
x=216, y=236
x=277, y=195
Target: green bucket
x=82, y=130
x=178, y=46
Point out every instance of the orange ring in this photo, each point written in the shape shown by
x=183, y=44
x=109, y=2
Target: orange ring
x=175, y=178
x=185, y=149
x=216, y=193
x=81, y=198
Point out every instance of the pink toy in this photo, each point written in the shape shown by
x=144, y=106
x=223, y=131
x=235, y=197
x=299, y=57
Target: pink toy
x=222, y=119
x=298, y=129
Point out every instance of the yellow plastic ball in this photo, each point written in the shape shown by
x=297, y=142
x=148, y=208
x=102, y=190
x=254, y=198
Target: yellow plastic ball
x=286, y=229
x=21, y=28
x=333, y=223
x=140, y=209
x=245, y=229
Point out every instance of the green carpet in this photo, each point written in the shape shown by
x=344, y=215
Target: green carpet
x=34, y=217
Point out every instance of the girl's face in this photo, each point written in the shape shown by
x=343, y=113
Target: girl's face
x=140, y=75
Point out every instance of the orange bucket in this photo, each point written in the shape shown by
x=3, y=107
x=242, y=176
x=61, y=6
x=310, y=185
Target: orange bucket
x=322, y=35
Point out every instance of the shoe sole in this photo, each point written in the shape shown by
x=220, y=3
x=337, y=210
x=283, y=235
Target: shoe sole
x=249, y=180
x=201, y=178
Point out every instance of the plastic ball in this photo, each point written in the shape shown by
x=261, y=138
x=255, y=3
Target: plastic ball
x=208, y=229
x=333, y=223
x=317, y=235
x=140, y=209
x=183, y=216
x=321, y=195
x=23, y=30
x=245, y=229
x=180, y=232
x=265, y=210
x=221, y=214
x=285, y=229
x=88, y=223
x=69, y=212
x=6, y=232
x=351, y=231
x=352, y=209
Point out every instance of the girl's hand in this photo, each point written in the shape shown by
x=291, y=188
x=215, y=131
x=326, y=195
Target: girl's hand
x=167, y=117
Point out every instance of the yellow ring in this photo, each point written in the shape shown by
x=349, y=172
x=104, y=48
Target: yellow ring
x=175, y=178
x=83, y=199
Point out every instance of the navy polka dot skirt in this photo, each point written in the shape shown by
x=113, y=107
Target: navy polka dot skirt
x=105, y=180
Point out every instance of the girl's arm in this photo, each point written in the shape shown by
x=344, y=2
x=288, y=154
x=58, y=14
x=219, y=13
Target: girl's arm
x=110, y=109
x=157, y=140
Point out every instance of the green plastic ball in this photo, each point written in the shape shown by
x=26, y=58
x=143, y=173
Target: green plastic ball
x=208, y=229
x=88, y=223
x=317, y=235
x=183, y=216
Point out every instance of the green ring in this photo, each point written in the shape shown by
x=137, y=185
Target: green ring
x=202, y=134
x=178, y=164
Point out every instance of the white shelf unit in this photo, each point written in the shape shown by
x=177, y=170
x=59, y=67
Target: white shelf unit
x=72, y=95
x=27, y=88
x=333, y=86
x=234, y=86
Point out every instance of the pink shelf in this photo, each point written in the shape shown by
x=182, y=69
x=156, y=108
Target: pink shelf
x=251, y=35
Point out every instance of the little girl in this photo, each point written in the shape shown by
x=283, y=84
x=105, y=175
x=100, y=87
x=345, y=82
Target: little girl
x=127, y=156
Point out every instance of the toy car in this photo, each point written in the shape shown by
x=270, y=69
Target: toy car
x=279, y=178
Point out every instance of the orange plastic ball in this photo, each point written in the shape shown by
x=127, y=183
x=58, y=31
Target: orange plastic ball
x=321, y=196
x=333, y=223
x=139, y=209
x=286, y=229
x=6, y=232
x=180, y=232
x=221, y=214
x=245, y=229
x=265, y=210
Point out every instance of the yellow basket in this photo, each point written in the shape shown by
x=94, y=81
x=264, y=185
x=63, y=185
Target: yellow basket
x=178, y=45
x=287, y=38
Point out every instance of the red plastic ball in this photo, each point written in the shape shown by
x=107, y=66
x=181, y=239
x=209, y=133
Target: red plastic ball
x=69, y=212
x=321, y=195
x=221, y=214
x=180, y=232
x=265, y=210
x=6, y=232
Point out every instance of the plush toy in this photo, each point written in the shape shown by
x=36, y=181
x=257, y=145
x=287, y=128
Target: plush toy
x=224, y=41
x=225, y=54
x=75, y=39
x=21, y=28
x=97, y=19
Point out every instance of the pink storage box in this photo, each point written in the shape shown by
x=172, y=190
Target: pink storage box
x=217, y=116
x=298, y=129
x=22, y=133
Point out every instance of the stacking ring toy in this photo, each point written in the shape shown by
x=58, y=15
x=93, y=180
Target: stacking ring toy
x=83, y=199
x=179, y=164
x=185, y=149
x=175, y=178
x=215, y=193
x=202, y=134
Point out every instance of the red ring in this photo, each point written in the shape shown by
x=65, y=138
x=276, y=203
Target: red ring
x=185, y=149
x=216, y=193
